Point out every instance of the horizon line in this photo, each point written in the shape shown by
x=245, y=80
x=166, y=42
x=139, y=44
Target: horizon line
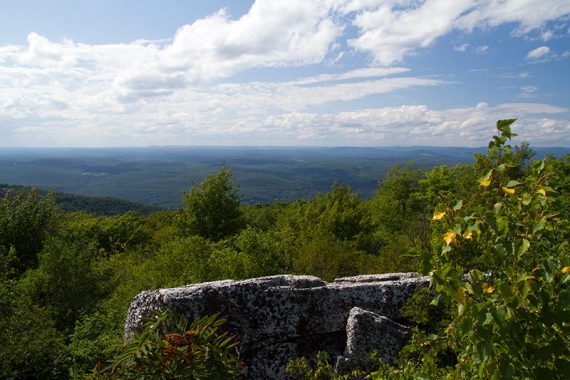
x=266, y=147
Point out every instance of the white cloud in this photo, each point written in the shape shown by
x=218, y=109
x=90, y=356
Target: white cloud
x=538, y=52
x=392, y=30
x=528, y=91
x=461, y=48
x=389, y=33
x=296, y=96
x=84, y=102
x=546, y=35
x=177, y=90
x=528, y=14
x=270, y=34
x=420, y=125
x=370, y=72
x=482, y=49
x=522, y=74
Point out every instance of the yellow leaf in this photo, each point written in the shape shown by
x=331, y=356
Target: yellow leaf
x=438, y=215
x=461, y=296
x=449, y=237
x=542, y=191
x=566, y=270
x=488, y=288
x=468, y=235
x=486, y=179
x=508, y=191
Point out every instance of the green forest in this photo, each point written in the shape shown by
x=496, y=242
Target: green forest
x=493, y=235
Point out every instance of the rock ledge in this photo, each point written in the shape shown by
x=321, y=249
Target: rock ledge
x=279, y=318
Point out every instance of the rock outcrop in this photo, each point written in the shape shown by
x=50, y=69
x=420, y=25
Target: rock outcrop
x=279, y=318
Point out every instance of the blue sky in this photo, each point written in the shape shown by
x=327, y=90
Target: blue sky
x=295, y=72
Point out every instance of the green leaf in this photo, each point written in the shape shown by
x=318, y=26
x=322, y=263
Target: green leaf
x=458, y=205
x=522, y=246
x=475, y=275
x=504, y=126
x=500, y=252
x=498, y=206
x=513, y=183
x=539, y=226
x=526, y=199
x=502, y=224
x=501, y=313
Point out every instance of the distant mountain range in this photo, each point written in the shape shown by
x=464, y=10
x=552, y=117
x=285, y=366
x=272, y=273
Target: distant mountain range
x=158, y=176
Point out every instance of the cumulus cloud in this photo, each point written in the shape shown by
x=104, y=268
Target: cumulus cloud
x=87, y=102
x=538, y=52
x=392, y=30
x=389, y=32
x=182, y=90
x=271, y=34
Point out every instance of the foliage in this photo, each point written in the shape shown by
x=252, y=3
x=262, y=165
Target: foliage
x=64, y=282
x=513, y=304
x=170, y=347
x=326, y=258
x=103, y=206
x=26, y=219
x=262, y=250
x=111, y=234
x=212, y=208
x=300, y=369
x=340, y=212
x=32, y=348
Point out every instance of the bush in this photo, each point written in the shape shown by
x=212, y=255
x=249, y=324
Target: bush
x=170, y=347
x=514, y=303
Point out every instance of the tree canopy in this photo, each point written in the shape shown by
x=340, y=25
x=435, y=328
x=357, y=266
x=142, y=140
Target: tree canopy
x=212, y=209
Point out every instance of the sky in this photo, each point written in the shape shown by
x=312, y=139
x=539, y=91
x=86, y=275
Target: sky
x=283, y=72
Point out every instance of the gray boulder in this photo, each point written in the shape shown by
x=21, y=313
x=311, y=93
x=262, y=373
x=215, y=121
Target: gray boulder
x=279, y=318
x=366, y=332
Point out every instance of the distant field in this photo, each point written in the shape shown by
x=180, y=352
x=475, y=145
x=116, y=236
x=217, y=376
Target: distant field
x=159, y=175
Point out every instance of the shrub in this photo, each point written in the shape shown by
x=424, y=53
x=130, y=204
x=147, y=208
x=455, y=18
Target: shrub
x=512, y=292
x=170, y=347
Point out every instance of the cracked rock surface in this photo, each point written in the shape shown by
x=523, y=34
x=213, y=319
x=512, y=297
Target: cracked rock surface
x=283, y=317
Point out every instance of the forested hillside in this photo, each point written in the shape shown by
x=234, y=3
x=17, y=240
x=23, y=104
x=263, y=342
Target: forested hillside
x=105, y=206
x=493, y=235
x=157, y=175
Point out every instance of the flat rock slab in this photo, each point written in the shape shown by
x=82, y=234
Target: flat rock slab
x=279, y=318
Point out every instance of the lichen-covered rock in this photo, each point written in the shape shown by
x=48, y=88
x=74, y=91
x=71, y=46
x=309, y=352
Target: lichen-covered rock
x=366, y=332
x=279, y=318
